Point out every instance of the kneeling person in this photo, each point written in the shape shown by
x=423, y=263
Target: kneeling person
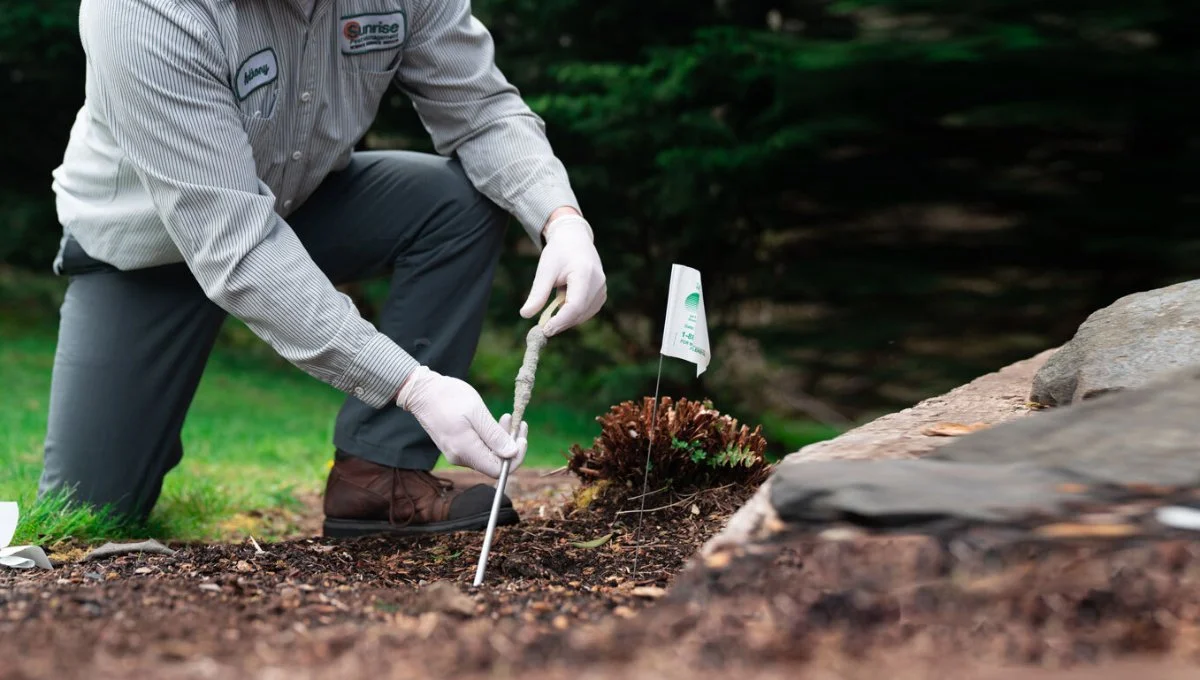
x=211, y=171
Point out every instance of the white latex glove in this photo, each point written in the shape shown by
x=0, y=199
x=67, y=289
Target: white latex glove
x=459, y=423
x=569, y=259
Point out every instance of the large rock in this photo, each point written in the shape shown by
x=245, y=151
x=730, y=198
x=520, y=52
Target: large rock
x=991, y=399
x=1149, y=435
x=1131, y=342
x=906, y=492
x=1022, y=468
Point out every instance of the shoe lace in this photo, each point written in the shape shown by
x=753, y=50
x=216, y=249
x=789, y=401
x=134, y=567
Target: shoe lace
x=442, y=486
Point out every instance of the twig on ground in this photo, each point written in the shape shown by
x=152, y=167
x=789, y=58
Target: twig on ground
x=661, y=507
x=685, y=499
x=588, y=472
x=647, y=495
x=647, y=546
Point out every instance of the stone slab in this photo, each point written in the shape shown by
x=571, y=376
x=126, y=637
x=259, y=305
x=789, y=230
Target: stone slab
x=909, y=492
x=1149, y=435
x=992, y=399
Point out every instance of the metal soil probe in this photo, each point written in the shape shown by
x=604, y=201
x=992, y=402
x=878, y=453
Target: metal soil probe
x=535, y=340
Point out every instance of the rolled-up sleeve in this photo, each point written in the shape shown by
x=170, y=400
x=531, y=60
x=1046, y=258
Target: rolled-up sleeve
x=167, y=104
x=470, y=110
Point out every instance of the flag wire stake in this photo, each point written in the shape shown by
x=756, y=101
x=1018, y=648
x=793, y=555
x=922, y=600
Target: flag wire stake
x=646, y=473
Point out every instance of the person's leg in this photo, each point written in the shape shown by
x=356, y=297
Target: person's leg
x=418, y=217
x=131, y=349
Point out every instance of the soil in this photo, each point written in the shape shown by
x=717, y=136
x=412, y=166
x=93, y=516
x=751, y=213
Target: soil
x=976, y=602
x=307, y=603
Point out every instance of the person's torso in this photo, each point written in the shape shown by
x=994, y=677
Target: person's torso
x=306, y=88
x=310, y=90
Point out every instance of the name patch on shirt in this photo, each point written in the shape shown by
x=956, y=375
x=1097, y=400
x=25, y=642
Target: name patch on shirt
x=370, y=32
x=260, y=68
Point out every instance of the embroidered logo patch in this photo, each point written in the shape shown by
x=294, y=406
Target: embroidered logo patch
x=260, y=68
x=370, y=32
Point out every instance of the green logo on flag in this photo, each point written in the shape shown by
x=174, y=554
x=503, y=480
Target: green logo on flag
x=685, y=331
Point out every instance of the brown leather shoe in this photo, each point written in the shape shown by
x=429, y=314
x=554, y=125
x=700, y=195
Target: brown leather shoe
x=363, y=498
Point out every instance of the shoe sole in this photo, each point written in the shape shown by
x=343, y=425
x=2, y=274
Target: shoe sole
x=351, y=528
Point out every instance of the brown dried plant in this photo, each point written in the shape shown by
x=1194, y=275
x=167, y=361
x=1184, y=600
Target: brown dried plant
x=692, y=447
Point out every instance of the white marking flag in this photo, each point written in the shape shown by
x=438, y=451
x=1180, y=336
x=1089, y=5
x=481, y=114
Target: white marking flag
x=17, y=556
x=685, y=335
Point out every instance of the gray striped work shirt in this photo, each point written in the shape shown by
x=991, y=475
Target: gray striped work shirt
x=207, y=122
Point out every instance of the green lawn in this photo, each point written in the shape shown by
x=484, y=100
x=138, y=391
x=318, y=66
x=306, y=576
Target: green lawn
x=257, y=439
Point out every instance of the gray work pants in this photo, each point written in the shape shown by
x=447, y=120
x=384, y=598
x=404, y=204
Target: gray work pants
x=132, y=345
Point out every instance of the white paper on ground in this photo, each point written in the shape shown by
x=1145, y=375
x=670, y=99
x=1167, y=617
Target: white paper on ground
x=24, y=557
x=9, y=514
x=1179, y=517
x=17, y=556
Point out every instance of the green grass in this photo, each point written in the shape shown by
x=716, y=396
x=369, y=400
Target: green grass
x=257, y=438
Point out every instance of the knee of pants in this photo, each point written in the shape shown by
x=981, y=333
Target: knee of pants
x=466, y=211
x=126, y=498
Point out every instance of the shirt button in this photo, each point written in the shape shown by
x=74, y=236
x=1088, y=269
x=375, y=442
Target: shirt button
x=287, y=204
x=358, y=391
x=306, y=96
x=297, y=156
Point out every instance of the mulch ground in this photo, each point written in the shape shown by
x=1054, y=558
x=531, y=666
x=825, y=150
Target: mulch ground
x=832, y=602
x=307, y=603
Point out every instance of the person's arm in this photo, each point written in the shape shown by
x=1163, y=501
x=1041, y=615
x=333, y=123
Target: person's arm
x=471, y=111
x=163, y=96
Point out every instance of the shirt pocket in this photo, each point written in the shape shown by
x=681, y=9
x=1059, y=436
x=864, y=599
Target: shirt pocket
x=262, y=103
x=260, y=131
x=361, y=93
x=381, y=62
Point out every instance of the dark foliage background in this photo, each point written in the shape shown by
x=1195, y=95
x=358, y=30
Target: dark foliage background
x=885, y=197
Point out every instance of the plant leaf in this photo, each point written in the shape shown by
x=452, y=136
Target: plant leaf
x=596, y=543
x=953, y=429
x=1074, y=530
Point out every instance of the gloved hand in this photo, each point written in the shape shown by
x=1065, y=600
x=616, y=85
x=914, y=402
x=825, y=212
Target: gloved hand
x=459, y=423
x=569, y=259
